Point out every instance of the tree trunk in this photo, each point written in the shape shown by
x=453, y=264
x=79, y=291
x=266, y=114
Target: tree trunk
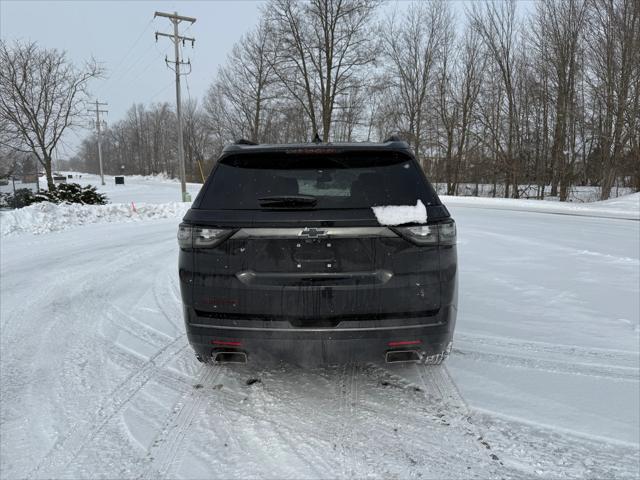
x=607, y=183
x=564, y=189
x=48, y=173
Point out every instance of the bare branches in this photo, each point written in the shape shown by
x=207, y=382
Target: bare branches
x=41, y=97
x=412, y=47
x=321, y=48
x=522, y=101
x=246, y=81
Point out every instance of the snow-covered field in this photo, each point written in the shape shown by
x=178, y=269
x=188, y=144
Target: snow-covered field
x=141, y=198
x=98, y=380
x=576, y=193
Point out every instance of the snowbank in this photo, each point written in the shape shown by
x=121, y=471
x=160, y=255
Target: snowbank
x=626, y=207
x=626, y=202
x=400, y=214
x=48, y=217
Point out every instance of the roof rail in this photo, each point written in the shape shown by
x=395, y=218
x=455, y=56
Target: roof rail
x=393, y=138
x=244, y=141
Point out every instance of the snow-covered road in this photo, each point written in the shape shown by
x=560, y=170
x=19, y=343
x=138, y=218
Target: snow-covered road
x=98, y=380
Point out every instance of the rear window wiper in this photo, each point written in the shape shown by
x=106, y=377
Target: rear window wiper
x=287, y=201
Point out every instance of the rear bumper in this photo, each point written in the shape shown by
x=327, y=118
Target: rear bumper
x=350, y=341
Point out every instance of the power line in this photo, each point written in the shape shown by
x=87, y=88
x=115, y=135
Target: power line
x=127, y=71
x=154, y=58
x=135, y=43
x=126, y=55
x=177, y=39
x=162, y=90
x=186, y=80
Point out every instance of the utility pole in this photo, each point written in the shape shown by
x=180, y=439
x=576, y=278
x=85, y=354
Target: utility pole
x=177, y=38
x=98, y=111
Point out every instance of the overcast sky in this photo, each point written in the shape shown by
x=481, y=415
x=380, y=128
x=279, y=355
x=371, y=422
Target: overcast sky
x=120, y=35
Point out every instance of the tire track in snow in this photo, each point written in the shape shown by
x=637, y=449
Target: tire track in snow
x=552, y=357
x=167, y=449
x=268, y=396
x=527, y=448
x=160, y=303
x=348, y=408
x=441, y=388
x=553, y=366
x=273, y=420
x=72, y=276
x=513, y=445
x=167, y=377
x=78, y=281
x=67, y=449
x=547, y=348
x=439, y=385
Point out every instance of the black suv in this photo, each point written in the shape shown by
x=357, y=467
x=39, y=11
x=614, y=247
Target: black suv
x=282, y=255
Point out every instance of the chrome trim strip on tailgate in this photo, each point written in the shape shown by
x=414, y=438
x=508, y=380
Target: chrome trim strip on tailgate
x=325, y=330
x=320, y=232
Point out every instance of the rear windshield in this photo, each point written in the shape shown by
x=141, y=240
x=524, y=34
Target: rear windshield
x=346, y=180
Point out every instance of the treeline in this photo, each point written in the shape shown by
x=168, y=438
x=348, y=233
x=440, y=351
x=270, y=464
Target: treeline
x=492, y=96
x=145, y=143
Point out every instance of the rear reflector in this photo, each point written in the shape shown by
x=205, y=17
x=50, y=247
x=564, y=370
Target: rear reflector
x=406, y=342
x=226, y=344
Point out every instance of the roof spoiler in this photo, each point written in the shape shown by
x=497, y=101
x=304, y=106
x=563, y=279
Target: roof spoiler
x=244, y=141
x=393, y=138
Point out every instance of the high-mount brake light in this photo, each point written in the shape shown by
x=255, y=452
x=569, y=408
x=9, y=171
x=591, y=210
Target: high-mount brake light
x=436, y=234
x=190, y=236
x=312, y=151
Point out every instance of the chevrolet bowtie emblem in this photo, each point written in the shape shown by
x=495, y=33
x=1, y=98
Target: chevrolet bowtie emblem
x=313, y=233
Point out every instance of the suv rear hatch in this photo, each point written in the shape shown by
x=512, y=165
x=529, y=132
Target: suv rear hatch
x=291, y=237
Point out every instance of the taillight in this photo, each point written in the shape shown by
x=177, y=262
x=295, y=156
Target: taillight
x=436, y=234
x=190, y=236
x=184, y=236
x=404, y=343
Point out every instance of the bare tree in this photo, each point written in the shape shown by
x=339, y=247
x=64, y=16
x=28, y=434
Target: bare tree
x=321, y=47
x=7, y=162
x=498, y=110
x=413, y=45
x=559, y=39
x=41, y=96
x=246, y=79
x=197, y=139
x=459, y=86
x=497, y=25
x=614, y=47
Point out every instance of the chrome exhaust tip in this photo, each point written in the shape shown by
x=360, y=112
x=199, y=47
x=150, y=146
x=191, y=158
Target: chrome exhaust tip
x=229, y=356
x=400, y=356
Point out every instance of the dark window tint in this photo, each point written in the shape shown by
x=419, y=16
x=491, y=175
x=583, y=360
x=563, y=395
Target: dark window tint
x=346, y=180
